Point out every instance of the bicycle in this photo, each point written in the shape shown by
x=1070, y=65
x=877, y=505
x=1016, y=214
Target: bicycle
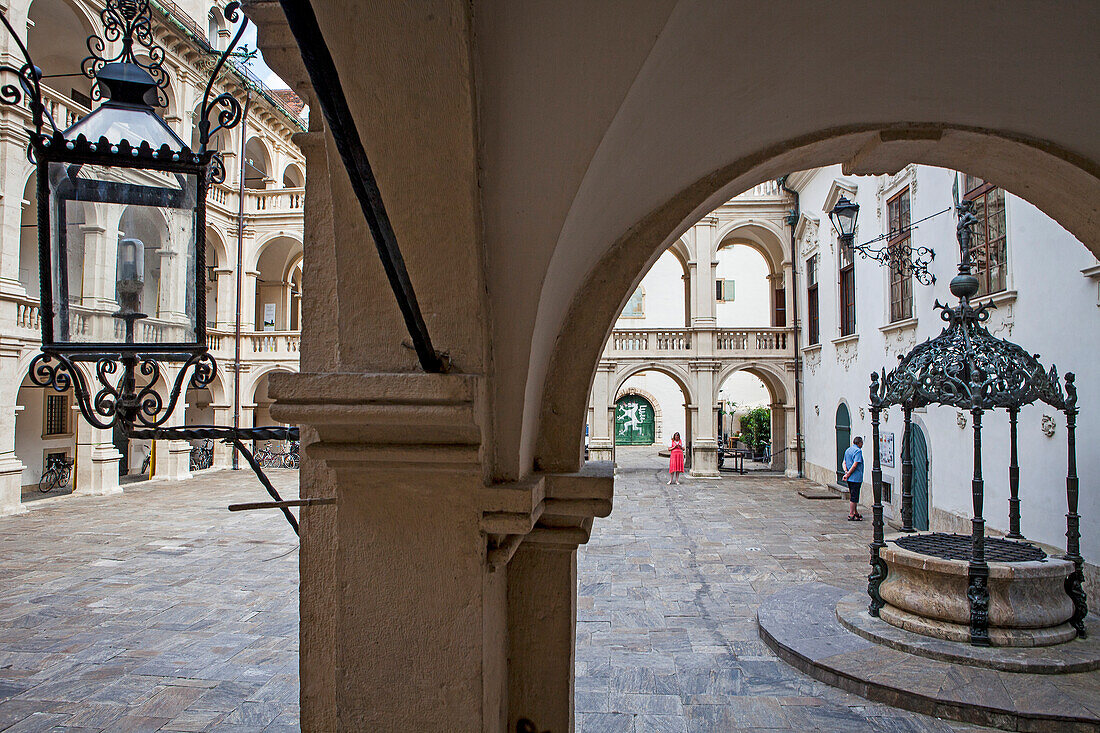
x=57, y=474
x=202, y=455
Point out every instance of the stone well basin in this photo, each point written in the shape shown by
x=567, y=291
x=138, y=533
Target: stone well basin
x=1028, y=605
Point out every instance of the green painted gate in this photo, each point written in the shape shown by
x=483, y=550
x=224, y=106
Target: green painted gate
x=634, y=421
x=918, y=448
x=843, y=438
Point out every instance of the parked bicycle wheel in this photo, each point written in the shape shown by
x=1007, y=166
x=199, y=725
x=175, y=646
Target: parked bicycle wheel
x=48, y=481
x=66, y=472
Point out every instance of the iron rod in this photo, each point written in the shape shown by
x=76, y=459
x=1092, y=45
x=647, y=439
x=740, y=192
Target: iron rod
x=978, y=571
x=341, y=124
x=907, y=472
x=1075, y=582
x=1013, y=477
x=267, y=484
x=278, y=504
x=878, y=565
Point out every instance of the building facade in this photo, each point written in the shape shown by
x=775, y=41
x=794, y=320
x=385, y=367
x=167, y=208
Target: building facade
x=860, y=317
x=39, y=424
x=712, y=310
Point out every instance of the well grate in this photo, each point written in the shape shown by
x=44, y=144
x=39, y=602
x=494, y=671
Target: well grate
x=957, y=547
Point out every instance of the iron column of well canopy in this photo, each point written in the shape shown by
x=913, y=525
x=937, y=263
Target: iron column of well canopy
x=878, y=540
x=907, y=472
x=1074, y=583
x=1013, y=477
x=978, y=570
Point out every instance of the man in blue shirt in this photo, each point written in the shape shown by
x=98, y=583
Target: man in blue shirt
x=853, y=467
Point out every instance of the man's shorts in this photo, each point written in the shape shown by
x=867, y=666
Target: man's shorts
x=853, y=490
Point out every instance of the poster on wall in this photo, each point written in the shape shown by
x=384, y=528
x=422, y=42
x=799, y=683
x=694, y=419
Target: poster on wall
x=269, y=316
x=886, y=449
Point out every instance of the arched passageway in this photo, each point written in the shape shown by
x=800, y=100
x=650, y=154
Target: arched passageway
x=553, y=188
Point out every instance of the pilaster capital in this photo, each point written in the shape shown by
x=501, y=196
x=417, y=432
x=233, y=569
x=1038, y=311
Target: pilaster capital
x=555, y=510
x=705, y=365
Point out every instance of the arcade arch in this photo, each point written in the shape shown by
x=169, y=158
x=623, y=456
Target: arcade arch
x=278, y=284
x=57, y=32
x=293, y=176
x=28, y=238
x=668, y=396
x=257, y=164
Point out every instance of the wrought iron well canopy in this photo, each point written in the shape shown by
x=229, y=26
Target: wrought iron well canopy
x=968, y=368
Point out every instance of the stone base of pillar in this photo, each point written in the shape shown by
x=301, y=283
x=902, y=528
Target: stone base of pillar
x=11, y=486
x=96, y=470
x=704, y=460
x=173, y=460
x=600, y=454
x=791, y=472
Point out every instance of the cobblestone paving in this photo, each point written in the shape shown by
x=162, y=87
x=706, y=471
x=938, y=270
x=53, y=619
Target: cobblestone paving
x=158, y=610
x=669, y=586
x=151, y=610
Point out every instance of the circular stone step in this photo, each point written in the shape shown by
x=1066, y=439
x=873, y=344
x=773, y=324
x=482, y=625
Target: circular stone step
x=799, y=623
x=1079, y=655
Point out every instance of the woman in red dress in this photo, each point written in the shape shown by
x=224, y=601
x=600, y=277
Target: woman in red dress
x=675, y=460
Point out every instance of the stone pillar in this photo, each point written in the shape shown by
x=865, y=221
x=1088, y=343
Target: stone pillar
x=96, y=469
x=11, y=468
x=704, y=441
x=542, y=612
x=223, y=453
x=412, y=582
x=542, y=588
x=702, y=275
x=226, y=316
x=791, y=463
x=173, y=457
x=249, y=317
x=601, y=431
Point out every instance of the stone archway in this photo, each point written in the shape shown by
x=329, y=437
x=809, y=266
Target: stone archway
x=545, y=212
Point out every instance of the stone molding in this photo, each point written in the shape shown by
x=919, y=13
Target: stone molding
x=553, y=509
x=392, y=421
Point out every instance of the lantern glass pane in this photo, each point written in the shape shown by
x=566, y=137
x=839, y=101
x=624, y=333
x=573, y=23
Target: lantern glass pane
x=123, y=248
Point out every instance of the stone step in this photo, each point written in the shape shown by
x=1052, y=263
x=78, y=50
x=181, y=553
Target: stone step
x=800, y=625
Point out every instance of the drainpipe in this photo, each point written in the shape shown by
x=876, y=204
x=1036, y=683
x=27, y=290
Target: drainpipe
x=240, y=268
x=792, y=222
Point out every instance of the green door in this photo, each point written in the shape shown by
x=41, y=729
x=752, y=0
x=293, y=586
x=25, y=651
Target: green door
x=634, y=421
x=918, y=448
x=843, y=439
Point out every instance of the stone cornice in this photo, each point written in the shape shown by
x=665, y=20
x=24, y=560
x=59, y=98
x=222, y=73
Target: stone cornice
x=403, y=420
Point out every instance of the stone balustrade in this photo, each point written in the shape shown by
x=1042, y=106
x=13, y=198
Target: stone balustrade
x=255, y=345
x=665, y=342
x=64, y=111
x=762, y=341
x=267, y=201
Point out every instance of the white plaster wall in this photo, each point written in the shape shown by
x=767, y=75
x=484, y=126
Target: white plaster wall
x=670, y=399
x=664, y=296
x=1045, y=264
x=30, y=447
x=752, y=300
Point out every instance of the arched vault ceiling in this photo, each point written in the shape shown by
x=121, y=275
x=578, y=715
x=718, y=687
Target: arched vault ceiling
x=603, y=129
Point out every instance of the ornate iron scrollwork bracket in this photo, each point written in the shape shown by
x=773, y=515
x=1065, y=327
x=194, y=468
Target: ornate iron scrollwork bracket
x=120, y=401
x=903, y=257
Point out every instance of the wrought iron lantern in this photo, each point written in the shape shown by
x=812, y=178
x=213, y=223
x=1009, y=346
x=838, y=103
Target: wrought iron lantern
x=121, y=234
x=901, y=255
x=969, y=369
x=844, y=216
x=121, y=225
